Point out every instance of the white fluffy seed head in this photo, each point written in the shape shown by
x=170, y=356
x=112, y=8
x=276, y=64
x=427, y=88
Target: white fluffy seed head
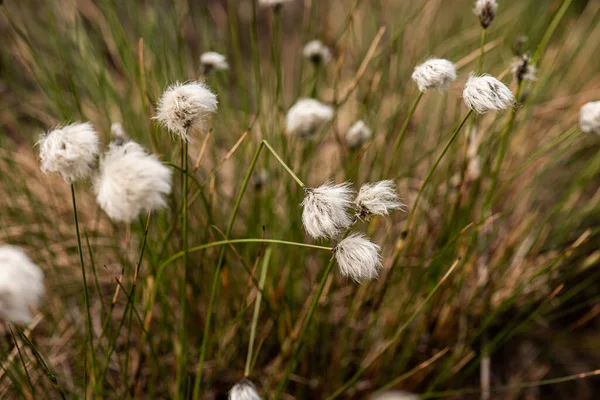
x=589, y=117
x=213, y=61
x=272, y=3
x=486, y=11
x=435, y=73
x=116, y=129
x=358, y=134
x=378, y=198
x=69, y=150
x=325, y=213
x=358, y=258
x=184, y=107
x=306, y=117
x=21, y=285
x=485, y=93
x=131, y=181
x=395, y=395
x=317, y=52
x=523, y=70
x=244, y=390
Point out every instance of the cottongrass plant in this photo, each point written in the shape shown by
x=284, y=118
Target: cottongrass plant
x=244, y=390
x=306, y=117
x=325, y=210
x=273, y=3
x=317, y=52
x=378, y=198
x=130, y=182
x=358, y=134
x=589, y=117
x=213, y=61
x=523, y=70
x=435, y=73
x=485, y=93
x=358, y=258
x=486, y=11
x=21, y=285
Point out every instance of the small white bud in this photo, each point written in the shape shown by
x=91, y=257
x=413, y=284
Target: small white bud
x=21, y=285
x=317, y=52
x=69, y=150
x=306, y=117
x=589, y=118
x=213, y=61
x=523, y=70
x=244, y=390
x=325, y=213
x=379, y=198
x=486, y=11
x=131, y=181
x=358, y=258
x=186, y=106
x=358, y=134
x=436, y=73
x=485, y=93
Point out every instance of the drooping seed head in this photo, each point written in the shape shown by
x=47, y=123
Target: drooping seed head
x=213, y=61
x=589, y=117
x=486, y=11
x=130, y=181
x=325, y=213
x=69, y=150
x=358, y=258
x=244, y=390
x=317, y=52
x=21, y=285
x=358, y=134
x=523, y=70
x=306, y=117
x=378, y=198
x=435, y=73
x=184, y=107
x=485, y=93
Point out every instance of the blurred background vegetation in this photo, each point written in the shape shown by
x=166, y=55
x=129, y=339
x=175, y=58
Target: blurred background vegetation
x=106, y=61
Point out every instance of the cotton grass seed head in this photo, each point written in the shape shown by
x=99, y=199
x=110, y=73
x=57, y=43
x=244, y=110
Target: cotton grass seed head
x=131, y=181
x=325, y=213
x=306, y=117
x=485, y=93
x=523, y=70
x=589, y=118
x=244, y=390
x=378, y=198
x=21, y=285
x=435, y=73
x=273, y=3
x=69, y=150
x=184, y=107
x=317, y=52
x=486, y=11
x=395, y=395
x=213, y=61
x=358, y=134
x=358, y=258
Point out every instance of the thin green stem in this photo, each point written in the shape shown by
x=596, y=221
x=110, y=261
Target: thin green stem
x=259, y=292
x=396, y=336
x=22, y=360
x=217, y=274
x=85, y=290
x=283, y=164
x=402, y=134
x=481, y=51
x=433, y=168
x=539, y=52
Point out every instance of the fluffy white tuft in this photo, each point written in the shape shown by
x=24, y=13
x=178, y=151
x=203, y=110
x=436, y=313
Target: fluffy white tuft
x=213, y=60
x=358, y=258
x=395, y=395
x=358, y=134
x=317, y=52
x=379, y=198
x=69, y=150
x=589, y=117
x=435, y=73
x=523, y=70
x=307, y=116
x=272, y=3
x=116, y=129
x=244, y=390
x=186, y=106
x=485, y=93
x=131, y=181
x=21, y=285
x=325, y=209
x=486, y=11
